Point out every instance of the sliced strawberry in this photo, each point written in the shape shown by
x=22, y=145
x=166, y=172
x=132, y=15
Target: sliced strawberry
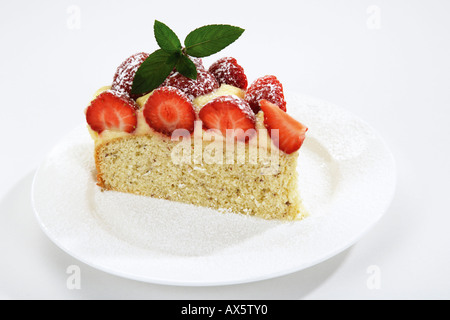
x=286, y=132
x=110, y=111
x=124, y=76
x=228, y=71
x=268, y=88
x=229, y=113
x=169, y=109
x=205, y=83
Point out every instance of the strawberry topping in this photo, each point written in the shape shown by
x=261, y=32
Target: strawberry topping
x=229, y=113
x=110, y=111
x=268, y=88
x=169, y=109
x=286, y=132
x=198, y=63
x=205, y=83
x=124, y=77
x=228, y=71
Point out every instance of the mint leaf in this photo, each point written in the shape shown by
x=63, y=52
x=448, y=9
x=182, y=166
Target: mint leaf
x=187, y=67
x=153, y=71
x=208, y=40
x=166, y=38
x=200, y=43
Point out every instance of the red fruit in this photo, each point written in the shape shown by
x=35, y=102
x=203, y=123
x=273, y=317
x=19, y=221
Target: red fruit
x=285, y=131
x=198, y=63
x=227, y=112
x=169, y=109
x=268, y=88
x=205, y=83
x=124, y=77
x=110, y=111
x=228, y=71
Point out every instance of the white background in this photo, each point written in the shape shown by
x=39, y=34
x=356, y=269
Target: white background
x=385, y=61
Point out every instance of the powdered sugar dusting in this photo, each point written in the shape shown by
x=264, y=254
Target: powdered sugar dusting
x=205, y=83
x=124, y=77
x=228, y=71
x=198, y=63
x=268, y=88
x=241, y=104
x=216, y=231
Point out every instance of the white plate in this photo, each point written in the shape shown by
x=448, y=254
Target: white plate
x=347, y=181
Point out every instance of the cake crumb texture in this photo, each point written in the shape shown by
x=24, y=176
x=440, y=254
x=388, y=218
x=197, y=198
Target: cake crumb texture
x=143, y=165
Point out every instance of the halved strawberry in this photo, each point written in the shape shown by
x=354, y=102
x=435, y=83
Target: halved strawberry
x=286, y=132
x=169, y=109
x=268, y=88
x=228, y=71
x=205, y=83
x=229, y=113
x=124, y=76
x=110, y=111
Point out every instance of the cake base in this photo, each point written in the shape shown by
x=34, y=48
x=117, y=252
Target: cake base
x=144, y=165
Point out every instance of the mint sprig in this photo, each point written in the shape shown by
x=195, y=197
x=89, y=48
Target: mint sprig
x=166, y=38
x=187, y=67
x=153, y=71
x=200, y=43
x=208, y=40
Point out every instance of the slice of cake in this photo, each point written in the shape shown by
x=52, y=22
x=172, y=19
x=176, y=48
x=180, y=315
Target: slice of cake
x=210, y=141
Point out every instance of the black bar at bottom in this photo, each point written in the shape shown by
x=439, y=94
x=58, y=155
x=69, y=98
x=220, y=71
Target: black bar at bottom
x=226, y=309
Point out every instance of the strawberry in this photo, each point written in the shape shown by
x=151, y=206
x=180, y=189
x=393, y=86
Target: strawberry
x=198, y=63
x=111, y=111
x=124, y=76
x=268, y=88
x=286, y=132
x=228, y=71
x=228, y=112
x=205, y=83
x=169, y=109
